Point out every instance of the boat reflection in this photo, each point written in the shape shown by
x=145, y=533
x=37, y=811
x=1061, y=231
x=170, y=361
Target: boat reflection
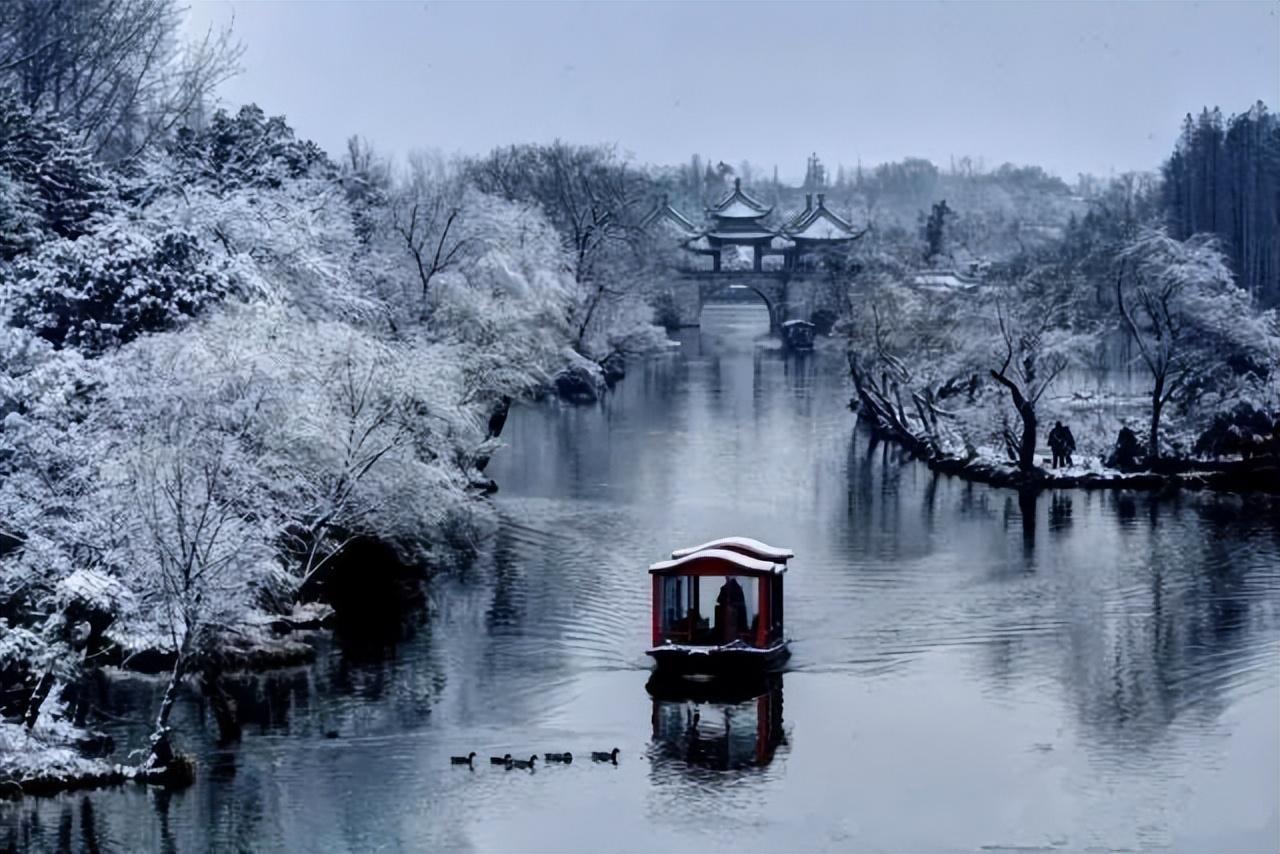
x=705, y=725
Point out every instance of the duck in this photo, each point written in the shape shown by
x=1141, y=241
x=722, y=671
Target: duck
x=523, y=763
x=565, y=757
x=463, y=760
x=500, y=760
x=602, y=756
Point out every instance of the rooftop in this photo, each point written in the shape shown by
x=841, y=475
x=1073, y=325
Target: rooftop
x=738, y=205
x=717, y=562
x=745, y=545
x=663, y=211
x=818, y=222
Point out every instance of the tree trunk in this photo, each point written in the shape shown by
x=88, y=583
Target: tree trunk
x=1026, y=409
x=1027, y=448
x=38, y=696
x=1153, y=439
x=175, y=679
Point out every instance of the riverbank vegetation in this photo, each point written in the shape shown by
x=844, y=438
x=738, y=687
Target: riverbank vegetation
x=969, y=371
x=233, y=368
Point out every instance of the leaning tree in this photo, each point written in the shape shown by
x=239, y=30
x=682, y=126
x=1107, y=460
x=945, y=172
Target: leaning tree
x=1029, y=357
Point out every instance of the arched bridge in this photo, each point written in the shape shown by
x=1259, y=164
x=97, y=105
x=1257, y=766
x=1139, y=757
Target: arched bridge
x=788, y=294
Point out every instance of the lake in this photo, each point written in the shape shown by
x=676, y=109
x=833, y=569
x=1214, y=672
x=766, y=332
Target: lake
x=971, y=671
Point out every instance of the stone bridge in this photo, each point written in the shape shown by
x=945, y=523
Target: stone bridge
x=788, y=294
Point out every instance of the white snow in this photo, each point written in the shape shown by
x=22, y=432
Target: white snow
x=756, y=548
x=734, y=560
x=737, y=209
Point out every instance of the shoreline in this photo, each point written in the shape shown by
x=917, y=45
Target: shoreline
x=1260, y=475
x=51, y=760
x=1263, y=479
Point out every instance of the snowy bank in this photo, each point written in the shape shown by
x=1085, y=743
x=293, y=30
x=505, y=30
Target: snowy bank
x=1258, y=474
x=46, y=761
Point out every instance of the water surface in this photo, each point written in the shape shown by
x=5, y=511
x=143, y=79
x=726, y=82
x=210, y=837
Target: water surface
x=972, y=670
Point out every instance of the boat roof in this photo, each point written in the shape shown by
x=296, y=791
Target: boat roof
x=717, y=562
x=743, y=545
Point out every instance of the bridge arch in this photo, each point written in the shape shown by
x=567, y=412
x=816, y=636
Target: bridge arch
x=773, y=303
x=787, y=294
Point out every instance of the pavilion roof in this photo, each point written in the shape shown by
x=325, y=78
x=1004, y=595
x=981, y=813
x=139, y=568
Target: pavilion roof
x=800, y=217
x=665, y=212
x=734, y=234
x=738, y=205
x=820, y=223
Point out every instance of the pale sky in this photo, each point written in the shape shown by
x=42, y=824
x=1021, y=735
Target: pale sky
x=1073, y=86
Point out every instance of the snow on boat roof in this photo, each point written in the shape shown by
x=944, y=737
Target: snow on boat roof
x=755, y=548
x=751, y=565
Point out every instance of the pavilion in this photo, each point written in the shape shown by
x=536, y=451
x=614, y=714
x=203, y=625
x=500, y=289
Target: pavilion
x=740, y=220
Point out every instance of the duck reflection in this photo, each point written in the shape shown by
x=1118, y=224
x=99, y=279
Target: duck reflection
x=706, y=726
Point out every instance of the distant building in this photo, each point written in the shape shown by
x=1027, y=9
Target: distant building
x=817, y=229
x=738, y=220
x=945, y=280
x=738, y=223
x=664, y=216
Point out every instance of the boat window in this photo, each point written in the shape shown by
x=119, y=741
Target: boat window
x=680, y=622
x=732, y=603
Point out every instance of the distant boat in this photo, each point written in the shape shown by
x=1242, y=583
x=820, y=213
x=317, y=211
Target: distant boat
x=798, y=334
x=718, y=609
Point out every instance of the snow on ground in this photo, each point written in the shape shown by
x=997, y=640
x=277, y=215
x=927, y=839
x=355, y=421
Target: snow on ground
x=44, y=756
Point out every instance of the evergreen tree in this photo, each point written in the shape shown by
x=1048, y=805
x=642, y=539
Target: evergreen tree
x=51, y=183
x=1223, y=178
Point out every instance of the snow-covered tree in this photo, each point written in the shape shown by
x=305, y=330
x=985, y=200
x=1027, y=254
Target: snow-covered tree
x=1028, y=358
x=106, y=288
x=1195, y=330
x=593, y=199
x=48, y=181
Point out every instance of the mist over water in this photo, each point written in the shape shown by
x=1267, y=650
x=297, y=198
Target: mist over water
x=972, y=670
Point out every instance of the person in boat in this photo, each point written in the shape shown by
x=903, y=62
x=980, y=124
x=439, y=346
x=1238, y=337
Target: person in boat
x=731, y=609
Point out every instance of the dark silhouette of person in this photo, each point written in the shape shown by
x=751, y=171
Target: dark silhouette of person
x=1061, y=443
x=731, y=609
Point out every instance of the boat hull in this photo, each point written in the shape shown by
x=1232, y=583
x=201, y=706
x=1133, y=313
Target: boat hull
x=731, y=660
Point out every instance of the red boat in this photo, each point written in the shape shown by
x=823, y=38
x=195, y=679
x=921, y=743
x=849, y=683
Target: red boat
x=718, y=609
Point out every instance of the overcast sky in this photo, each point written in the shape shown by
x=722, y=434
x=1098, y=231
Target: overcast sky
x=1073, y=87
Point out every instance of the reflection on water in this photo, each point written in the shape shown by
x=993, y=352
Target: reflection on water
x=718, y=732
x=972, y=669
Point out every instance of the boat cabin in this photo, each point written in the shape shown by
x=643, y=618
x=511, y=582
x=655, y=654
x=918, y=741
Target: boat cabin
x=798, y=334
x=720, y=603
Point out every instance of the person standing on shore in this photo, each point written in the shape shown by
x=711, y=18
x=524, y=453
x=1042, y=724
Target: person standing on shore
x=1061, y=443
